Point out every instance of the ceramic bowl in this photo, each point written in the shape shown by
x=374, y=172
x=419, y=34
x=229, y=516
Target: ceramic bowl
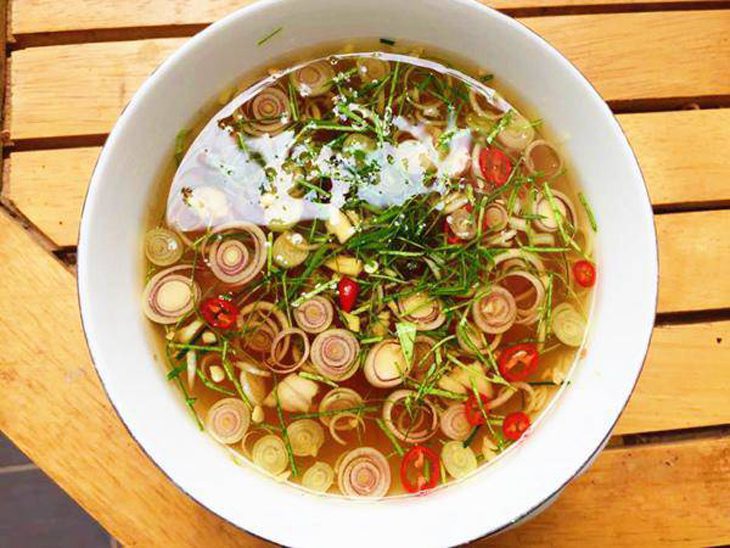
x=110, y=275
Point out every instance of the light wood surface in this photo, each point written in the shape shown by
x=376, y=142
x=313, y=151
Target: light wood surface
x=75, y=420
x=35, y=16
x=48, y=186
x=694, y=260
x=80, y=89
x=640, y=54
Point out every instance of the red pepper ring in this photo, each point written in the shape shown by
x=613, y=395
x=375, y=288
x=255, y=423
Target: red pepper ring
x=495, y=166
x=518, y=362
x=219, y=313
x=514, y=425
x=347, y=291
x=416, y=458
x=584, y=273
x=473, y=410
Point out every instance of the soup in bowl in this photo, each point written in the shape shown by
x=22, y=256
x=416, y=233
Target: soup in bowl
x=368, y=273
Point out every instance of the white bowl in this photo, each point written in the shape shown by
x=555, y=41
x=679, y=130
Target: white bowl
x=110, y=275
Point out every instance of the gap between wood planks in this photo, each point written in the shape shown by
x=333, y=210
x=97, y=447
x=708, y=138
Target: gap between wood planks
x=54, y=38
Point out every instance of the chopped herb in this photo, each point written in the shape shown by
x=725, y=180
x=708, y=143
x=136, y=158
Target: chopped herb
x=387, y=41
x=269, y=36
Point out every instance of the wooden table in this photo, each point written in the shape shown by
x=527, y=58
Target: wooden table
x=663, y=66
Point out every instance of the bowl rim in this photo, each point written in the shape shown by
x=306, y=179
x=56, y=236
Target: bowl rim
x=196, y=41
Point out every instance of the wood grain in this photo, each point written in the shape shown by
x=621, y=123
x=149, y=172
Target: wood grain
x=682, y=155
x=80, y=89
x=48, y=186
x=670, y=494
x=685, y=382
x=35, y=16
x=55, y=411
x=694, y=260
x=75, y=436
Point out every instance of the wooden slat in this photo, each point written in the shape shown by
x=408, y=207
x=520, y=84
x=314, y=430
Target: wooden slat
x=693, y=359
x=55, y=410
x=80, y=89
x=34, y=16
x=48, y=186
x=676, y=494
x=694, y=260
x=682, y=154
x=51, y=393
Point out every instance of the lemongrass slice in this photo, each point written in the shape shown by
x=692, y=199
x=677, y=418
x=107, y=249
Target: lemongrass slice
x=537, y=399
x=170, y=295
x=295, y=394
x=518, y=132
x=483, y=107
x=270, y=454
x=279, y=349
x=252, y=369
x=237, y=253
x=462, y=224
x=464, y=379
x=505, y=394
x=191, y=365
x=343, y=264
x=410, y=420
x=528, y=297
x=254, y=386
x=211, y=366
x=337, y=399
x=519, y=256
x=259, y=323
x=313, y=79
x=568, y=325
x=371, y=69
x=474, y=342
x=496, y=217
x=422, y=310
x=541, y=157
x=489, y=449
x=268, y=112
x=319, y=477
x=385, y=365
x=315, y=315
x=545, y=214
x=352, y=421
x=306, y=437
x=290, y=249
x=458, y=460
x=334, y=353
x=364, y=472
x=227, y=420
x=496, y=311
x=162, y=247
x=454, y=423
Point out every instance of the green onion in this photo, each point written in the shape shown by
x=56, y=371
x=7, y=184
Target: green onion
x=269, y=36
x=589, y=211
x=391, y=437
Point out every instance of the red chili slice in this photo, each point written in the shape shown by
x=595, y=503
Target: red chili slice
x=415, y=459
x=473, y=410
x=495, y=166
x=584, y=273
x=347, y=291
x=514, y=425
x=518, y=362
x=219, y=312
